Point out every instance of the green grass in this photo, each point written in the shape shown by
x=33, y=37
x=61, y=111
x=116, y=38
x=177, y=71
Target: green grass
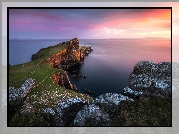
x=19, y=73
x=45, y=92
x=151, y=111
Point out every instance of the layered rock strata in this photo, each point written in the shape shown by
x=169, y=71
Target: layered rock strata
x=71, y=55
x=62, y=79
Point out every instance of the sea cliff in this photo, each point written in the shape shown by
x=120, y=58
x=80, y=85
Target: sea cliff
x=146, y=100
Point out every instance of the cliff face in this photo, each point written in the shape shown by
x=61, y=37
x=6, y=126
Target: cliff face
x=73, y=54
x=70, y=56
x=62, y=79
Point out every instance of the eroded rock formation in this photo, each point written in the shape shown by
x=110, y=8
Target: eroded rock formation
x=61, y=78
x=71, y=55
x=149, y=78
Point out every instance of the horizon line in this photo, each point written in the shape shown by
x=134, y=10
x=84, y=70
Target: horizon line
x=82, y=38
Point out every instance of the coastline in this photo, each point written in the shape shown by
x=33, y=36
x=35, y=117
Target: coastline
x=57, y=65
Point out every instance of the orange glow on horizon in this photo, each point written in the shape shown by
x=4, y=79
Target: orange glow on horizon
x=156, y=22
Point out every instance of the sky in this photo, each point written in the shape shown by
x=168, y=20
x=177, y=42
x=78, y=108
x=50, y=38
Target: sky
x=130, y=32
x=89, y=23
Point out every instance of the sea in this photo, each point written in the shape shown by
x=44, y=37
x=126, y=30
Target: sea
x=107, y=67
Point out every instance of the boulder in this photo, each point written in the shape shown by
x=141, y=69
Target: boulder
x=16, y=96
x=151, y=79
x=110, y=102
x=92, y=115
x=67, y=110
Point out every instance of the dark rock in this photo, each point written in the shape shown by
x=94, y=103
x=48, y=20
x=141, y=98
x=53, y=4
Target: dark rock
x=92, y=115
x=151, y=79
x=17, y=96
x=110, y=102
x=62, y=79
x=67, y=110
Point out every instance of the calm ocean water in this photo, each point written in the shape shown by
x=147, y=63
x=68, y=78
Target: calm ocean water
x=107, y=67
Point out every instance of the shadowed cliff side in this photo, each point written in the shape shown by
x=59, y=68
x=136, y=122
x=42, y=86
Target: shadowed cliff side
x=71, y=55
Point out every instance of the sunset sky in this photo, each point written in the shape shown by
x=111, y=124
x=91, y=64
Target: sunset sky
x=89, y=23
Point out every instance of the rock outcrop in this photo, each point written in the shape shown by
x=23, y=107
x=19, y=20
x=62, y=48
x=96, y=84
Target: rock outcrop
x=149, y=78
x=62, y=79
x=75, y=112
x=71, y=55
x=17, y=96
x=110, y=102
x=92, y=115
x=67, y=110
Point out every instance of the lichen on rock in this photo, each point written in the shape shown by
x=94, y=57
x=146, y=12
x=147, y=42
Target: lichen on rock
x=92, y=115
x=150, y=79
x=67, y=110
x=110, y=102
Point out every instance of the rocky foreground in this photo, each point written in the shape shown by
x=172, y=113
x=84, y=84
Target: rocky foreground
x=146, y=102
x=149, y=84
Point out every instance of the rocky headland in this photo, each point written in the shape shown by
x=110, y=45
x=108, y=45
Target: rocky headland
x=146, y=100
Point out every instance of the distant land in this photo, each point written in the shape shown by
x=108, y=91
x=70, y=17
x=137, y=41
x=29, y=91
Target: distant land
x=21, y=39
x=98, y=39
x=142, y=38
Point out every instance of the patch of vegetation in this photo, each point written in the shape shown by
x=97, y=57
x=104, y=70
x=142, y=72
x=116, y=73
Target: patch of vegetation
x=33, y=69
x=45, y=93
x=151, y=111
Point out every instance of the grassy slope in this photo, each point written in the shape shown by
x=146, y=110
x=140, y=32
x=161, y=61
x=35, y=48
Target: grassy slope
x=45, y=93
x=150, y=111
